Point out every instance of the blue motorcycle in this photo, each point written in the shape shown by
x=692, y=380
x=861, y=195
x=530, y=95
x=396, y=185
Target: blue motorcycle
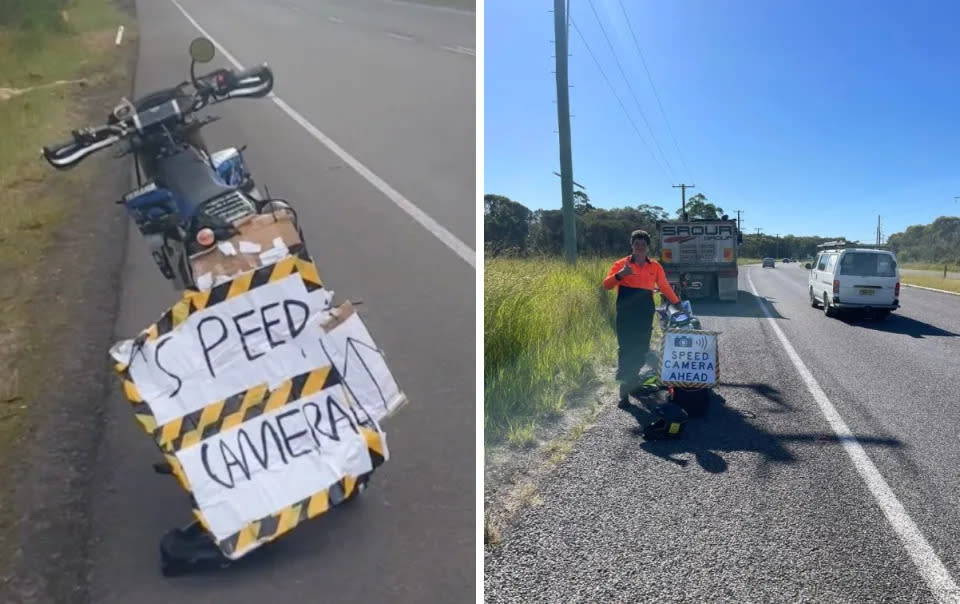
x=186, y=198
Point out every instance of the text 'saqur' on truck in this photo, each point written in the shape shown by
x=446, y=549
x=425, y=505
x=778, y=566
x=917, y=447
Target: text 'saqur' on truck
x=705, y=251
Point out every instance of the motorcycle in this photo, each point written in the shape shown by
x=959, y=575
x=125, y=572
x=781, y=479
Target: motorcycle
x=186, y=198
x=185, y=201
x=679, y=316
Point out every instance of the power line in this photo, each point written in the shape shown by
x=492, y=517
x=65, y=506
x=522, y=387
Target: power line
x=650, y=78
x=630, y=88
x=613, y=90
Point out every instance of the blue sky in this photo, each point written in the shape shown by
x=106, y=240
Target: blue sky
x=812, y=117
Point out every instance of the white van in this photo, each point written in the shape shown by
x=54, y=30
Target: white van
x=855, y=279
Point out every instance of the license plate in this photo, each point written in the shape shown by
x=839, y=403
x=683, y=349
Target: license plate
x=866, y=292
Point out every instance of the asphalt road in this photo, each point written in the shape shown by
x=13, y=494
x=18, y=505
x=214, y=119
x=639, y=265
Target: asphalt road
x=759, y=501
x=405, y=108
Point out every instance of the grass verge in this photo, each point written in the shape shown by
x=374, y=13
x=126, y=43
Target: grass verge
x=36, y=200
x=548, y=333
x=950, y=285
x=951, y=266
x=46, y=78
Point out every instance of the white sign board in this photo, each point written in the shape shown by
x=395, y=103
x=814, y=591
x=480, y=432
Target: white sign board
x=276, y=459
x=351, y=349
x=689, y=359
x=262, y=406
x=264, y=335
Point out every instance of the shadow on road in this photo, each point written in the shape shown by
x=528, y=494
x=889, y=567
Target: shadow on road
x=725, y=429
x=316, y=542
x=765, y=390
x=895, y=324
x=747, y=306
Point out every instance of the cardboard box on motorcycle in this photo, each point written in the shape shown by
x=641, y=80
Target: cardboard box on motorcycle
x=261, y=240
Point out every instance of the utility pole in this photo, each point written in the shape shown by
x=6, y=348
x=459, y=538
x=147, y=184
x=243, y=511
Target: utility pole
x=575, y=183
x=683, y=189
x=878, y=231
x=563, y=121
x=738, y=220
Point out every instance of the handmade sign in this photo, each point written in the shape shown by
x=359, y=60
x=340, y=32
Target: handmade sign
x=265, y=400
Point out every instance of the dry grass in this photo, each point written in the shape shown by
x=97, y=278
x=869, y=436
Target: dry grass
x=951, y=285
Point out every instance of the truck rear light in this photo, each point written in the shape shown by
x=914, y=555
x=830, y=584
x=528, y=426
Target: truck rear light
x=836, y=287
x=896, y=290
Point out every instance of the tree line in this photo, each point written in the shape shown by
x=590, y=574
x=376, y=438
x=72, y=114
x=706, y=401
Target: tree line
x=934, y=243
x=512, y=229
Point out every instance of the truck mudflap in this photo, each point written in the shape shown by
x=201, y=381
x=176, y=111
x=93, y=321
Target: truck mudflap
x=727, y=288
x=707, y=285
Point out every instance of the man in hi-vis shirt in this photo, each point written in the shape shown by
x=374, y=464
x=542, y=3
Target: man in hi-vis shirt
x=635, y=277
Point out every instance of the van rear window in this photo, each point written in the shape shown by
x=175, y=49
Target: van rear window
x=863, y=264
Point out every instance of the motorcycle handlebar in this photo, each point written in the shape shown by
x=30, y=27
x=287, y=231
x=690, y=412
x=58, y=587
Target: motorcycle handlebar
x=255, y=82
x=86, y=142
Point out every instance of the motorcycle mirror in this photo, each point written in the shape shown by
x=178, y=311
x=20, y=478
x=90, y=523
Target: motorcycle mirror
x=202, y=50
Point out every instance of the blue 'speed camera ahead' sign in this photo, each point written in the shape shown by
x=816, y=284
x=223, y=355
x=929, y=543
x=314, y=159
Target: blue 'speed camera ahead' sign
x=689, y=359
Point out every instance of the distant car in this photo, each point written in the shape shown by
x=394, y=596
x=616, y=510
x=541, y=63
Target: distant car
x=855, y=279
x=785, y=260
x=769, y=262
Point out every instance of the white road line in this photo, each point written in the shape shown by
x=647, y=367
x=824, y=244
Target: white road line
x=930, y=566
x=400, y=36
x=436, y=229
x=335, y=19
x=461, y=50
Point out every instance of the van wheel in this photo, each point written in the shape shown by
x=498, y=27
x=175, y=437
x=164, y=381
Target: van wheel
x=813, y=299
x=826, y=307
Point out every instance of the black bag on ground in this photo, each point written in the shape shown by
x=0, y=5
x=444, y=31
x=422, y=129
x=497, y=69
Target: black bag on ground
x=189, y=549
x=670, y=425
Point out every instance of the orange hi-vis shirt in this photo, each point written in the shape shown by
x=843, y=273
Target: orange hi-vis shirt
x=644, y=276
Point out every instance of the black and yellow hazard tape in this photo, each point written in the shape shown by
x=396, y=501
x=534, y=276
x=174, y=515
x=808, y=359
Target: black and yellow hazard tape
x=241, y=407
x=194, y=300
x=141, y=410
x=270, y=527
x=699, y=332
x=235, y=410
